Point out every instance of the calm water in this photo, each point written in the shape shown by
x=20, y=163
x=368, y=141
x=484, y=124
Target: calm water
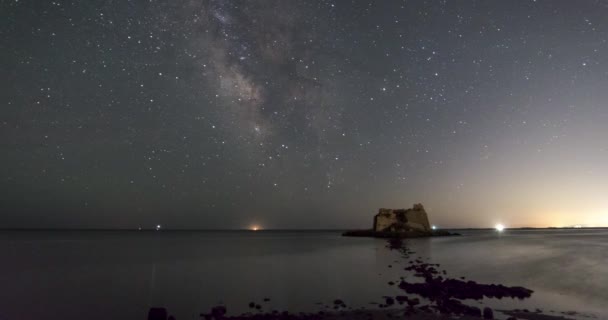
x=119, y=275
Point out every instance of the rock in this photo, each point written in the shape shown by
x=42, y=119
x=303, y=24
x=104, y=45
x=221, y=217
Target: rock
x=413, y=302
x=218, y=312
x=402, y=299
x=157, y=314
x=446, y=293
x=401, y=220
x=389, y=301
x=400, y=223
x=487, y=313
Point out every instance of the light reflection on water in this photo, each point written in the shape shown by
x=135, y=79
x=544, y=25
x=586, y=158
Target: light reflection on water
x=100, y=275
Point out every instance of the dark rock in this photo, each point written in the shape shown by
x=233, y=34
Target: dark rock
x=445, y=294
x=452, y=306
x=389, y=301
x=487, y=313
x=401, y=299
x=218, y=312
x=157, y=314
x=413, y=302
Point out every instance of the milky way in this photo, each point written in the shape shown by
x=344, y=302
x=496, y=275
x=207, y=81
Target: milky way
x=302, y=114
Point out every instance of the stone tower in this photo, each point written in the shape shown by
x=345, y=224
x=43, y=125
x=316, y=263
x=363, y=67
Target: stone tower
x=402, y=220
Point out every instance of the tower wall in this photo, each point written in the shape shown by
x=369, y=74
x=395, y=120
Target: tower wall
x=416, y=217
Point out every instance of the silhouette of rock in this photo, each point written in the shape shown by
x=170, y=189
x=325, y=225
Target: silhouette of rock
x=218, y=311
x=157, y=314
x=487, y=313
x=389, y=301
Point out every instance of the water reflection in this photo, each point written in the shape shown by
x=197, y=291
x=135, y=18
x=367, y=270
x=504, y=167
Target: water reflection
x=103, y=275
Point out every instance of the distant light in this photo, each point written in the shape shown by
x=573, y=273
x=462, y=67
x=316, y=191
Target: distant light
x=578, y=226
x=434, y=227
x=255, y=228
x=158, y=227
x=499, y=227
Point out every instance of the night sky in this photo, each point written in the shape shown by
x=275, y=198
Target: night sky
x=302, y=114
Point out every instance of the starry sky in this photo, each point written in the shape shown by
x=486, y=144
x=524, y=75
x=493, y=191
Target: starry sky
x=302, y=114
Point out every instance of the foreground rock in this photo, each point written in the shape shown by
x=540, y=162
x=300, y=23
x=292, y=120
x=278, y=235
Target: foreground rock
x=446, y=294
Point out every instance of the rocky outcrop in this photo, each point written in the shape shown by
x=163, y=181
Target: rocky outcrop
x=400, y=223
x=402, y=220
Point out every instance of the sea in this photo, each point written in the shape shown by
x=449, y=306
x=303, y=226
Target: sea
x=121, y=274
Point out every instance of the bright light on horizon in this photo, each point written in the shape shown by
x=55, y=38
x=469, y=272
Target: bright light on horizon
x=499, y=227
x=255, y=228
x=434, y=227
